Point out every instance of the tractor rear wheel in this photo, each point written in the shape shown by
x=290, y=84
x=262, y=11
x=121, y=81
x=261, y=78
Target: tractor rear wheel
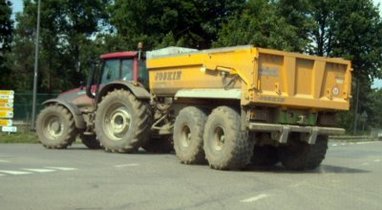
x=122, y=122
x=55, y=127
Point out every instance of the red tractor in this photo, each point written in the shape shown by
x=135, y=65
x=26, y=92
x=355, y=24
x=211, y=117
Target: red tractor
x=118, y=91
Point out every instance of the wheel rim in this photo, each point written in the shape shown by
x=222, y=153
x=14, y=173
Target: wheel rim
x=218, y=138
x=185, y=138
x=54, y=127
x=117, y=122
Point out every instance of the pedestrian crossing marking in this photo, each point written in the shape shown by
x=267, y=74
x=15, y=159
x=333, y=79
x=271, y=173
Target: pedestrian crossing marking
x=14, y=172
x=62, y=168
x=25, y=171
x=39, y=170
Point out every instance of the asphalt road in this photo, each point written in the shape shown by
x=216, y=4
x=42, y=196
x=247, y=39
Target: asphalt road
x=32, y=177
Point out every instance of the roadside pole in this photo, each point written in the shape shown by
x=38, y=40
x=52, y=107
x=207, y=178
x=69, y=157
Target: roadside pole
x=35, y=77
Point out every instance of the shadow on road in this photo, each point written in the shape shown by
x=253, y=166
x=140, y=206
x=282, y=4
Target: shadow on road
x=323, y=169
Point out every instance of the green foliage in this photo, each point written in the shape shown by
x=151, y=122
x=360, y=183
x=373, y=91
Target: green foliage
x=297, y=14
x=66, y=45
x=350, y=29
x=189, y=23
x=76, y=31
x=260, y=25
x=6, y=35
x=375, y=109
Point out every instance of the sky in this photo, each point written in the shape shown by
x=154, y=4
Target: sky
x=18, y=7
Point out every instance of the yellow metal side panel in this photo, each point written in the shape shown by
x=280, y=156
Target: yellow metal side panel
x=304, y=77
x=296, y=80
x=208, y=69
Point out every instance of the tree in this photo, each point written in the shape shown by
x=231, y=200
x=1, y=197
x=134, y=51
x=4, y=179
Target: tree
x=67, y=30
x=260, y=25
x=6, y=34
x=350, y=29
x=296, y=14
x=189, y=23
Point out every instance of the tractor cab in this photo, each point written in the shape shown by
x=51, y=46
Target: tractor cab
x=125, y=66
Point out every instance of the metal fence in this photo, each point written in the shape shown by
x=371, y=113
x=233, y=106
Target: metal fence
x=23, y=105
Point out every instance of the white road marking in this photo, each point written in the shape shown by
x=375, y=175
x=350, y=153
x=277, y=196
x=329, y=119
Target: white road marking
x=365, y=164
x=377, y=160
x=255, y=198
x=334, y=145
x=4, y=161
x=126, y=165
x=39, y=170
x=2, y=175
x=14, y=172
x=366, y=142
x=61, y=168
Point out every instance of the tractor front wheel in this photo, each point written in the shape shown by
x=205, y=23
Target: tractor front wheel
x=55, y=127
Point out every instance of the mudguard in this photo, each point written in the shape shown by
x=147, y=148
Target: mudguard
x=138, y=90
x=77, y=116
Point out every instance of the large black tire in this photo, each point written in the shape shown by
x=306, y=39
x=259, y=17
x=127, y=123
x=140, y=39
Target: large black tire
x=266, y=155
x=227, y=147
x=55, y=127
x=90, y=141
x=188, y=135
x=161, y=144
x=299, y=155
x=122, y=122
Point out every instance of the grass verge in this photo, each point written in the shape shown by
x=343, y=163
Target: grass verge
x=22, y=137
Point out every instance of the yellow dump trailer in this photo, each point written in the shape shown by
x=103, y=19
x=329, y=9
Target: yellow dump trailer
x=255, y=76
x=282, y=102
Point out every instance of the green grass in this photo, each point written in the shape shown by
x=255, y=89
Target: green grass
x=22, y=137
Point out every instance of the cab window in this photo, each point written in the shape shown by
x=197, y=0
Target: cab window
x=127, y=69
x=110, y=71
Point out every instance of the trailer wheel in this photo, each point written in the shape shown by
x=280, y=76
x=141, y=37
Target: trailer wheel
x=90, y=141
x=227, y=147
x=299, y=155
x=55, y=127
x=161, y=144
x=188, y=135
x=122, y=122
x=265, y=156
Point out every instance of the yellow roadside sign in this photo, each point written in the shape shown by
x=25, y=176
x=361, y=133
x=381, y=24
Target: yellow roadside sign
x=7, y=92
x=5, y=122
x=6, y=114
x=10, y=109
x=6, y=105
x=6, y=100
x=7, y=97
